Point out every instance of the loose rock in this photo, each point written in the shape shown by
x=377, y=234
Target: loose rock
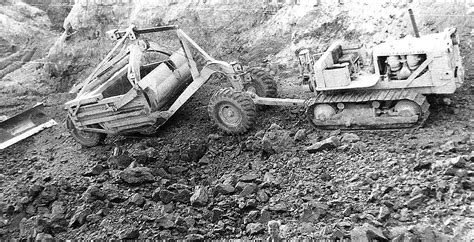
x=137, y=199
x=183, y=196
x=250, y=177
x=225, y=189
x=300, y=135
x=367, y=232
x=120, y=161
x=196, y=151
x=348, y=138
x=35, y=190
x=163, y=195
x=274, y=230
x=276, y=140
x=423, y=165
x=458, y=162
x=416, y=201
x=57, y=210
x=194, y=237
x=95, y=171
x=327, y=144
x=48, y=195
x=313, y=212
x=204, y=161
x=165, y=222
x=271, y=180
x=254, y=228
x=200, y=197
x=216, y=214
x=44, y=237
x=130, y=234
x=384, y=213
x=262, y=196
x=358, y=147
x=136, y=175
x=177, y=169
x=93, y=193
x=248, y=189
x=79, y=217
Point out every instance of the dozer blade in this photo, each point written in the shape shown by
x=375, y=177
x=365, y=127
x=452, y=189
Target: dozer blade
x=24, y=125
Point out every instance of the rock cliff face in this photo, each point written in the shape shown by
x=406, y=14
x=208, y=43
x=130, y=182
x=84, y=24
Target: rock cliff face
x=252, y=32
x=22, y=27
x=27, y=33
x=20, y=21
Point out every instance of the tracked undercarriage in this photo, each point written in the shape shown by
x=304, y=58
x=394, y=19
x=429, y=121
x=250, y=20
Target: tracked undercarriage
x=370, y=109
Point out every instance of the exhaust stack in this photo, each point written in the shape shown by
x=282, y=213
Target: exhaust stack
x=413, y=23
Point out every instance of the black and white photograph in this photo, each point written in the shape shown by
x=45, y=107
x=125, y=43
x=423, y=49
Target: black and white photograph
x=242, y=120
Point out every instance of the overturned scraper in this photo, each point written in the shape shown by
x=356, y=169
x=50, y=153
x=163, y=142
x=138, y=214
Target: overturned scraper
x=140, y=84
x=24, y=125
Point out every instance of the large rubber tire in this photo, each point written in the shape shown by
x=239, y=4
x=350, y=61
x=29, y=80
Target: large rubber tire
x=262, y=83
x=233, y=111
x=87, y=139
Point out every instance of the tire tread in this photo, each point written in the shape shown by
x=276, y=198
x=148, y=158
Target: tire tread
x=241, y=100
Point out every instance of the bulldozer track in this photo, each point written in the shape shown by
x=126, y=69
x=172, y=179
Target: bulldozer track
x=369, y=96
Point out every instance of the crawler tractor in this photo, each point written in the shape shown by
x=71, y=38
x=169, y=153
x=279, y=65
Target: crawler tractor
x=390, y=94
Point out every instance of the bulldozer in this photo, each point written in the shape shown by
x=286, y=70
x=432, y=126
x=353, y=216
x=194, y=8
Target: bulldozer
x=390, y=93
x=122, y=95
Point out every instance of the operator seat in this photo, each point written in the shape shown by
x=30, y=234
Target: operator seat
x=350, y=58
x=335, y=68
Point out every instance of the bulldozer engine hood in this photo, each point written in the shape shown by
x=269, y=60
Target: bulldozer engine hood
x=432, y=43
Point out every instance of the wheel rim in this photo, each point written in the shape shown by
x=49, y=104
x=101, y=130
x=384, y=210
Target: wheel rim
x=407, y=108
x=85, y=134
x=323, y=112
x=79, y=133
x=230, y=114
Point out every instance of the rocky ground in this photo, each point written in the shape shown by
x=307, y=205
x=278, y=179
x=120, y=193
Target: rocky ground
x=192, y=181
x=282, y=179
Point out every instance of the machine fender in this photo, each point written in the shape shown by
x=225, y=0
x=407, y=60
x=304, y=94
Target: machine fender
x=225, y=68
x=220, y=66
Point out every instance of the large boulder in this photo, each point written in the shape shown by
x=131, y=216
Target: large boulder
x=276, y=140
